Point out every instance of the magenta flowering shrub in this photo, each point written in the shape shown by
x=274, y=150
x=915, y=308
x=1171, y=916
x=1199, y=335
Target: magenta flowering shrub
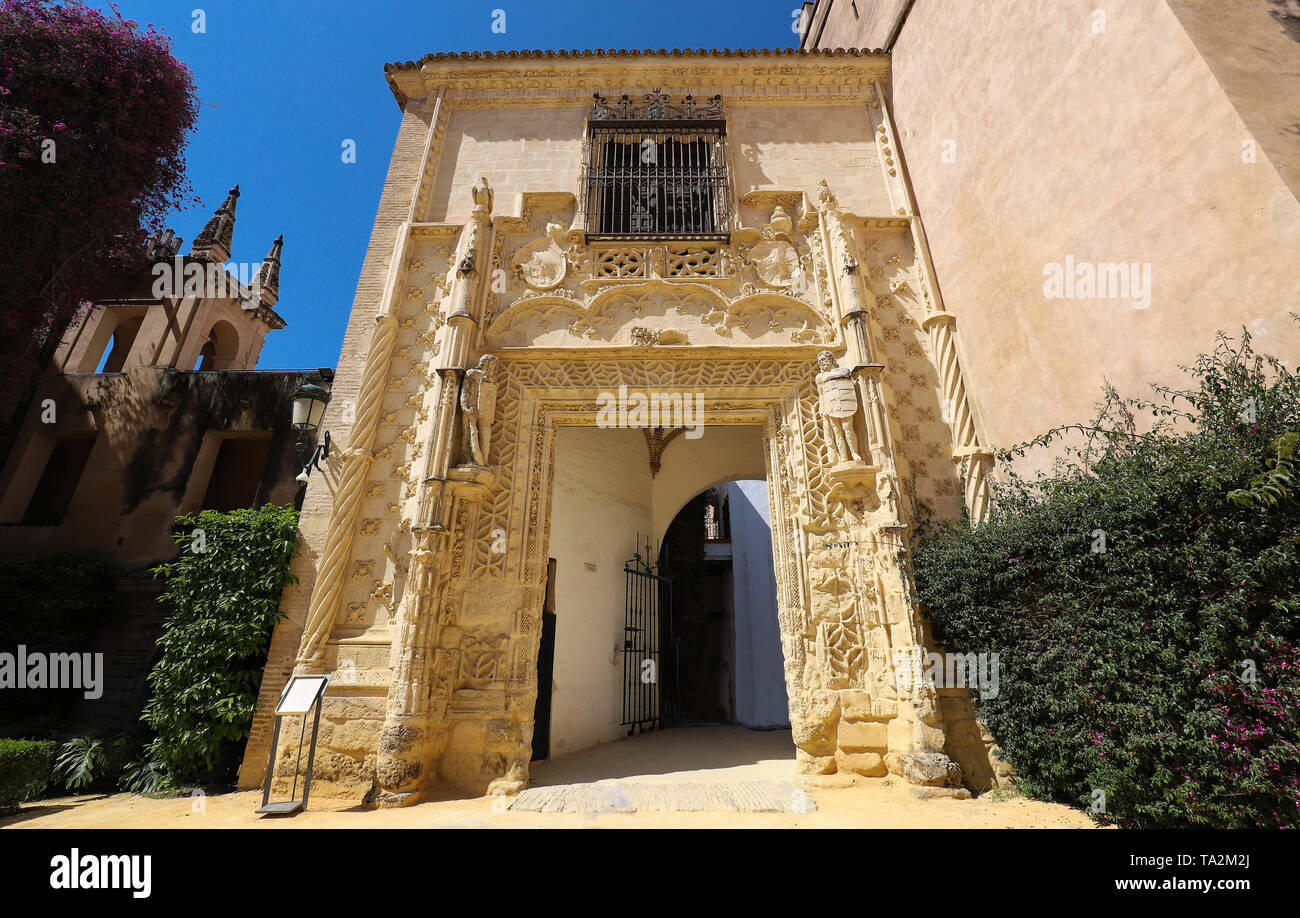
x=94, y=116
x=1144, y=600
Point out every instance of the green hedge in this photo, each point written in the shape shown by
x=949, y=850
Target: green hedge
x=1144, y=598
x=52, y=604
x=225, y=587
x=24, y=771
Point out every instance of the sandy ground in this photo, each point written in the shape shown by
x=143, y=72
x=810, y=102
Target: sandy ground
x=711, y=754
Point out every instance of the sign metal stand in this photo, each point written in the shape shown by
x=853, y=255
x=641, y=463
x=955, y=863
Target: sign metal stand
x=300, y=696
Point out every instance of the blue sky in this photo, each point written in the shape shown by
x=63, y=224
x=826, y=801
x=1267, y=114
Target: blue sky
x=283, y=84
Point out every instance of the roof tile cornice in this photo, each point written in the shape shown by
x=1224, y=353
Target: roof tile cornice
x=583, y=71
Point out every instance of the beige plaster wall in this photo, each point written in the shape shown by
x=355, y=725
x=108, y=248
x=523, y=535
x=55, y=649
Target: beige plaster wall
x=786, y=148
x=854, y=23
x=1253, y=49
x=1033, y=130
x=1118, y=146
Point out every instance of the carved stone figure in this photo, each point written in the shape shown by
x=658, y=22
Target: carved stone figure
x=838, y=403
x=478, y=402
x=826, y=199
x=482, y=194
x=887, y=491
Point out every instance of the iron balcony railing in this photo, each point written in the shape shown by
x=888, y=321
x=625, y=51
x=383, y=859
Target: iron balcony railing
x=658, y=180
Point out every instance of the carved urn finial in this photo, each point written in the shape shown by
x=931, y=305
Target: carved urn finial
x=825, y=197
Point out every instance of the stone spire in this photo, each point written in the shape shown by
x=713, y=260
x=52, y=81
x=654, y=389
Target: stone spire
x=267, y=283
x=215, y=239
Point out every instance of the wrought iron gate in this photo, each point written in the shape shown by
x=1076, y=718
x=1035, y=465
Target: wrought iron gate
x=648, y=615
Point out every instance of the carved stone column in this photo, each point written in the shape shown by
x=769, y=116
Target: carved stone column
x=413, y=735
x=975, y=461
x=355, y=463
x=407, y=744
x=851, y=713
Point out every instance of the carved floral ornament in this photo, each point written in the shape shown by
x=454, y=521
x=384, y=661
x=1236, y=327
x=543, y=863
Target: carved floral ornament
x=762, y=282
x=656, y=106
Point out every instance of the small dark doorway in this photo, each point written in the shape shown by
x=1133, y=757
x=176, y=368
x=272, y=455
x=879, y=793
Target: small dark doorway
x=58, y=483
x=238, y=472
x=723, y=662
x=698, y=670
x=545, y=671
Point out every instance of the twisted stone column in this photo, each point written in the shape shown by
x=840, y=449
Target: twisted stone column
x=332, y=568
x=976, y=461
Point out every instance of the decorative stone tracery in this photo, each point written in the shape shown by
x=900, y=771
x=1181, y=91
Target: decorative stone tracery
x=803, y=323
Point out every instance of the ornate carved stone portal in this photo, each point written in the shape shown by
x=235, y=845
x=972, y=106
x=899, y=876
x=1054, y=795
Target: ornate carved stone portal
x=423, y=579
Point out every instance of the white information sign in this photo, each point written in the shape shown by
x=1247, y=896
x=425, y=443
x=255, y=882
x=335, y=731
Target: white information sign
x=300, y=694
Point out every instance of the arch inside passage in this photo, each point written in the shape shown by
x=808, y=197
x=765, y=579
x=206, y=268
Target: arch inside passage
x=608, y=505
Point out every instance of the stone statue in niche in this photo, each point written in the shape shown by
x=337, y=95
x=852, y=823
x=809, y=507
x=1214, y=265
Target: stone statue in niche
x=468, y=253
x=478, y=403
x=837, y=400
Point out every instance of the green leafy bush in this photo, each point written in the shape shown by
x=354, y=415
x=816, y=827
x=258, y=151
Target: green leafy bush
x=24, y=771
x=85, y=760
x=52, y=604
x=225, y=587
x=145, y=775
x=1144, y=598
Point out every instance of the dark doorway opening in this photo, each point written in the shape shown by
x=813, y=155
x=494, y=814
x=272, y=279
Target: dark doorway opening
x=58, y=483
x=238, y=472
x=722, y=657
x=545, y=670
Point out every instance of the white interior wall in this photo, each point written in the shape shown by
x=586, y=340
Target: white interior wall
x=600, y=502
x=603, y=497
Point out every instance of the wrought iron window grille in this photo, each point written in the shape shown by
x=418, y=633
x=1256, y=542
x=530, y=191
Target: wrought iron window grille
x=657, y=169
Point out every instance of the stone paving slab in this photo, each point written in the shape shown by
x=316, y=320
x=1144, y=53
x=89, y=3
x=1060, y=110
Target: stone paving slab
x=616, y=797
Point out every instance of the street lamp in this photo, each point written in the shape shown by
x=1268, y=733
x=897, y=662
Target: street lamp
x=309, y=401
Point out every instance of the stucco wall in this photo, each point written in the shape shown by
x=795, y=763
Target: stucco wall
x=1111, y=147
x=786, y=148
x=1253, y=48
x=1032, y=130
x=601, y=500
x=853, y=23
x=149, y=427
